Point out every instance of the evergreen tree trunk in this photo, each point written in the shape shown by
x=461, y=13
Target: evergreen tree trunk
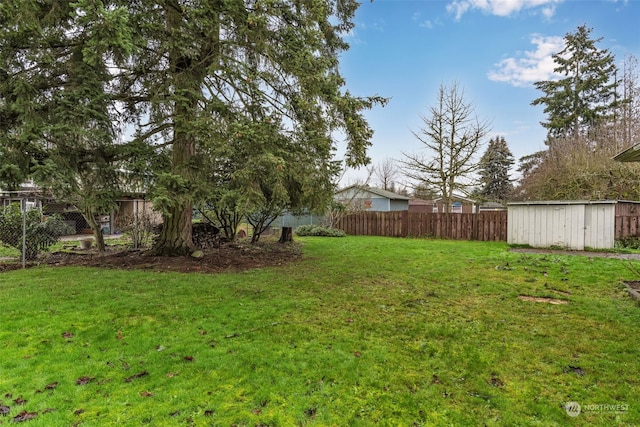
x=188, y=74
x=176, y=236
x=90, y=217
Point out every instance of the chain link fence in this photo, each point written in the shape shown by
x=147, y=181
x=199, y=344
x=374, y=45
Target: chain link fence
x=25, y=231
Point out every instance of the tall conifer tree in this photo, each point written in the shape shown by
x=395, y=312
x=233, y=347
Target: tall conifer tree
x=585, y=93
x=494, y=168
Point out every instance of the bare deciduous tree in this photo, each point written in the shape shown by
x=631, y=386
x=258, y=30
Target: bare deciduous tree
x=386, y=173
x=452, y=135
x=630, y=109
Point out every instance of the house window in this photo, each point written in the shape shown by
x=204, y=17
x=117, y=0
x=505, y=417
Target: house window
x=456, y=207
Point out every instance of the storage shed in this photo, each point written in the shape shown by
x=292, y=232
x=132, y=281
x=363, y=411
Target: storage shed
x=568, y=224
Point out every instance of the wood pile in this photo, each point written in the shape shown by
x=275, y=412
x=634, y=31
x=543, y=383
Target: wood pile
x=206, y=236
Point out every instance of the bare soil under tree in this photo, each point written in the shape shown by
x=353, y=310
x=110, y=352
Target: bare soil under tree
x=230, y=257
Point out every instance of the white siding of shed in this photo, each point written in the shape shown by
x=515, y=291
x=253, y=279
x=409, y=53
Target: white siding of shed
x=599, y=227
x=546, y=225
x=517, y=226
x=560, y=226
x=572, y=225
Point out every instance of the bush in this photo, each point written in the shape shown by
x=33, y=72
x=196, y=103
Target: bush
x=628, y=243
x=139, y=227
x=39, y=234
x=317, y=230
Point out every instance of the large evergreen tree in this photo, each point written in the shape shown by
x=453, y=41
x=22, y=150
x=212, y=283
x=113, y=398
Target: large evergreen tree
x=185, y=78
x=585, y=94
x=494, y=168
x=57, y=119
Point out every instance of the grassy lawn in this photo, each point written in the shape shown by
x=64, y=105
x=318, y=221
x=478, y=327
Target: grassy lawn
x=364, y=331
x=8, y=252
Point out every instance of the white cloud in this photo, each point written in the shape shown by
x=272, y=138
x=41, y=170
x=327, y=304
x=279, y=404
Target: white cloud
x=424, y=23
x=549, y=11
x=427, y=24
x=501, y=7
x=377, y=25
x=530, y=66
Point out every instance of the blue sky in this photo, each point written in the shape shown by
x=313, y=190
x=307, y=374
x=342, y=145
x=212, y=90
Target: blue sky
x=493, y=49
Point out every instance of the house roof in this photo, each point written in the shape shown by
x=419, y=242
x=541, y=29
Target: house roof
x=492, y=205
x=420, y=202
x=383, y=193
x=631, y=154
x=456, y=197
x=24, y=192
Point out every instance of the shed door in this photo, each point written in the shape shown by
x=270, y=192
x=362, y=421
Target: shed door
x=564, y=226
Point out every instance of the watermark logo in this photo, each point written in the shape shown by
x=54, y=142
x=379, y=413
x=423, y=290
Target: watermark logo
x=573, y=409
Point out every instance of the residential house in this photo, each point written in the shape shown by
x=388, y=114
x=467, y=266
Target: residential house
x=420, y=206
x=369, y=199
x=458, y=204
x=128, y=207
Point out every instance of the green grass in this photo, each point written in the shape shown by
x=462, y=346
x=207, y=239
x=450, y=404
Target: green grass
x=8, y=252
x=64, y=245
x=364, y=331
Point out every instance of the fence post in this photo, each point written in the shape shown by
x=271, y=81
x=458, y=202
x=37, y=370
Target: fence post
x=23, y=208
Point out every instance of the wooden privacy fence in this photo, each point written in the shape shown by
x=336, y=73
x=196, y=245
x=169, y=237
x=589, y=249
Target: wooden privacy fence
x=627, y=226
x=458, y=226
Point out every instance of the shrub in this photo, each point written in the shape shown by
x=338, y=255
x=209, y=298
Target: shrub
x=317, y=230
x=628, y=243
x=139, y=227
x=39, y=234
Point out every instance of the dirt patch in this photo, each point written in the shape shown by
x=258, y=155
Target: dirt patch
x=8, y=264
x=543, y=299
x=634, y=289
x=228, y=257
x=634, y=284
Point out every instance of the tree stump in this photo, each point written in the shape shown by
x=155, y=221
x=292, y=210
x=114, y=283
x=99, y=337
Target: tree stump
x=85, y=242
x=286, y=235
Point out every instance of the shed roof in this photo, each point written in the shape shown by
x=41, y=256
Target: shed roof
x=456, y=198
x=631, y=154
x=568, y=202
